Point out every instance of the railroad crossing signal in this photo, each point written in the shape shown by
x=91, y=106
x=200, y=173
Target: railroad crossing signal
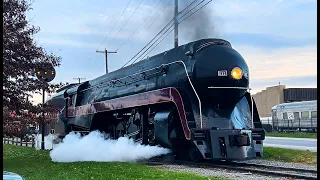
x=47, y=74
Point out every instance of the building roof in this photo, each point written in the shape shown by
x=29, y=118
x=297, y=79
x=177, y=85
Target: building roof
x=294, y=104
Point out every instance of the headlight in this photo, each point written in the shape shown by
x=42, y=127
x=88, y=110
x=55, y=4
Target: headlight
x=236, y=73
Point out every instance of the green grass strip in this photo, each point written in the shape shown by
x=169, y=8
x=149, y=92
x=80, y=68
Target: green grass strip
x=290, y=155
x=37, y=165
x=293, y=135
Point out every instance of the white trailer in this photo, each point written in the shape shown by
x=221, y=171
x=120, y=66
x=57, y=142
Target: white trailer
x=295, y=116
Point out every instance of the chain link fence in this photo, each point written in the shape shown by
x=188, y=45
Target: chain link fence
x=283, y=125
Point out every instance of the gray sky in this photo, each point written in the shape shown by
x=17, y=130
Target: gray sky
x=276, y=37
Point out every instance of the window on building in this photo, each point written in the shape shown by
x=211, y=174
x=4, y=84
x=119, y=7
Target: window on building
x=296, y=115
x=305, y=115
x=285, y=115
x=314, y=114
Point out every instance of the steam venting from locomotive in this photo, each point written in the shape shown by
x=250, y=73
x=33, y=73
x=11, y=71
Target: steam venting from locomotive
x=202, y=21
x=94, y=147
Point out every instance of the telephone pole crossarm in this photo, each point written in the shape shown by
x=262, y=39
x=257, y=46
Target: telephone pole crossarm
x=79, y=79
x=106, y=54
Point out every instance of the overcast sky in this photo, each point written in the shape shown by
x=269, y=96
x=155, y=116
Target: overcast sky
x=276, y=37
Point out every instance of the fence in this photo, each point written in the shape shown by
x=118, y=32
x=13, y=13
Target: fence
x=19, y=142
x=299, y=124
x=34, y=141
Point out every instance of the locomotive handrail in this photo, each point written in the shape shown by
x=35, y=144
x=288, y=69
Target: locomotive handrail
x=118, y=79
x=218, y=42
x=247, y=88
x=185, y=68
x=162, y=65
x=204, y=45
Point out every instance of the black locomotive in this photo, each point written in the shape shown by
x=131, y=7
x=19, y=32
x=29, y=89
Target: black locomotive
x=193, y=99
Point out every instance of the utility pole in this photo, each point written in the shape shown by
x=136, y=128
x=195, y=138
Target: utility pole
x=79, y=79
x=43, y=125
x=106, y=53
x=176, y=23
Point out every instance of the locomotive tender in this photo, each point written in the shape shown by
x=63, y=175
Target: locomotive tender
x=193, y=99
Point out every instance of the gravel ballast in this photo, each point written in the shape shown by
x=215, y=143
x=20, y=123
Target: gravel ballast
x=218, y=172
x=281, y=164
x=215, y=172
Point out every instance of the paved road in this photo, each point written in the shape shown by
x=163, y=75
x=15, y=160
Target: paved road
x=291, y=143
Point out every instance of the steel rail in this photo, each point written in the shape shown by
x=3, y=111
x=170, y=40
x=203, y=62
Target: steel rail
x=245, y=167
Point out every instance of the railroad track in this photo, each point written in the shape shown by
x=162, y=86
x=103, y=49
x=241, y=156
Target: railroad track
x=275, y=171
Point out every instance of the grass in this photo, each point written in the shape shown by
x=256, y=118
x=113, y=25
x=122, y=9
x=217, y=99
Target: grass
x=290, y=155
x=293, y=135
x=37, y=165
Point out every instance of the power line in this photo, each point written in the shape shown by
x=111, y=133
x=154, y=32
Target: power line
x=57, y=52
x=126, y=22
x=178, y=23
x=168, y=25
x=145, y=32
x=156, y=44
x=169, y=22
x=143, y=23
x=148, y=48
x=115, y=23
x=173, y=29
x=30, y=20
x=140, y=25
x=151, y=23
x=122, y=28
x=112, y=29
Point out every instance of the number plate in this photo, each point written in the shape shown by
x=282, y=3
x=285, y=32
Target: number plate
x=223, y=73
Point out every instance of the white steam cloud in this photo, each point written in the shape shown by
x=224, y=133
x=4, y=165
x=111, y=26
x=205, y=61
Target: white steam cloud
x=94, y=147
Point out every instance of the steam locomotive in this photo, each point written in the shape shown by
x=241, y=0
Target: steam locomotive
x=194, y=99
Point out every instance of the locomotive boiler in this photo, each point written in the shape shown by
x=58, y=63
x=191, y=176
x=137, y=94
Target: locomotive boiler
x=194, y=99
